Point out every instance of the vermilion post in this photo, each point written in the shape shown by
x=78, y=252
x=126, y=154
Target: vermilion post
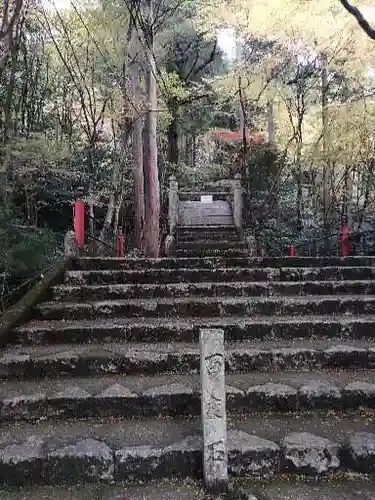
x=345, y=248
x=79, y=222
x=120, y=244
x=292, y=251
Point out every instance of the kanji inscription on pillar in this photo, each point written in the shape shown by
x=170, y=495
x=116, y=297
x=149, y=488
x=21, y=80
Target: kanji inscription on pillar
x=214, y=421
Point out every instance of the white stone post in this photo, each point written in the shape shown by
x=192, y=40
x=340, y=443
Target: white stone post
x=237, y=202
x=214, y=418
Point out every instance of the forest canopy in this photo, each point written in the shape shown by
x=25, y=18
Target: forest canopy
x=104, y=100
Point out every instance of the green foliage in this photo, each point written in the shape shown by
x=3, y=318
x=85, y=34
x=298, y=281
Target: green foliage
x=38, y=152
x=25, y=252
x=262, y=168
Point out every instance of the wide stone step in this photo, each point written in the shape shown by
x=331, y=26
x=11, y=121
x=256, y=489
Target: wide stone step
x=237, y=289
x=209, y=307
x=208, y=252
x=346, y=487
x=162, y=358
x=316, y=443
x=190, y=236
x=236, y=328
x=113, y=263
x=211, y=245
x=90, y=450
x=179, y=395
x=173, y=489
x=202, y=228
x=213, y=274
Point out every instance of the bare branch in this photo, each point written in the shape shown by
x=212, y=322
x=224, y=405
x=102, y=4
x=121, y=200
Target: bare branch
x=354, y=11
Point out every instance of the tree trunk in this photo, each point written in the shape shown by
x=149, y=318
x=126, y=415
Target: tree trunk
x=151, y=171
x=173, y=151
x=8, y=25
x=9, y=98
x=326, y=172
x=242, y=125
x=138, y=160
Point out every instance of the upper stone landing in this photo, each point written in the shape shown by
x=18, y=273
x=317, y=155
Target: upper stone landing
x=207, y=212
x=212, y=207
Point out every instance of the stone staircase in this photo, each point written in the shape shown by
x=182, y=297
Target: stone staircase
x=103, y=384
x=210, y=241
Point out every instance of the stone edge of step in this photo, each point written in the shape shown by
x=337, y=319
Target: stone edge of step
x=89, y=359
x=208, y=289
x=208, y=307
x=179, y=399
x=151, y=330
x=212, y=272
x=37, y=461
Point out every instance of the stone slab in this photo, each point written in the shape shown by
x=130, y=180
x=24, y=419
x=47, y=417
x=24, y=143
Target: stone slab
x=251, y=455
x=88, y=460
x=215, y=454
x=23, y=463
x=310, y=454
x=360, y=452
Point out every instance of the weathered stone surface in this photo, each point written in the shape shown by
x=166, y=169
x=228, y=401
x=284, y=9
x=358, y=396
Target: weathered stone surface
x=141, y=462
x=272, y=396
x=309, y=454
x=151, y=359
x=88, y=460
x=116, y=391
x=117, y=400
x=247, y=359
x=224, y=234
x=320, y=394
x=344, y=355
x=72, y=393
x=171, y=330
x=148, y=462
x=185, y=458
x=23, y=463
x=252, y=456
x=235, y=398
x=360, y=452
x=171, y=399
x=359, y=394
x=217, y=273
x=214, y=418
x=13, y=363
x=24, y=406
x=295, y=358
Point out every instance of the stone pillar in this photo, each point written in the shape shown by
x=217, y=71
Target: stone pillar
x=214, y=419
x=173, y=204
x=237, y=202
x=71, y=249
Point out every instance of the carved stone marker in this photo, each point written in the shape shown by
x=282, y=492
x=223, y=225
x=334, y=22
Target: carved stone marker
x=214, y=418
x=70, y=245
